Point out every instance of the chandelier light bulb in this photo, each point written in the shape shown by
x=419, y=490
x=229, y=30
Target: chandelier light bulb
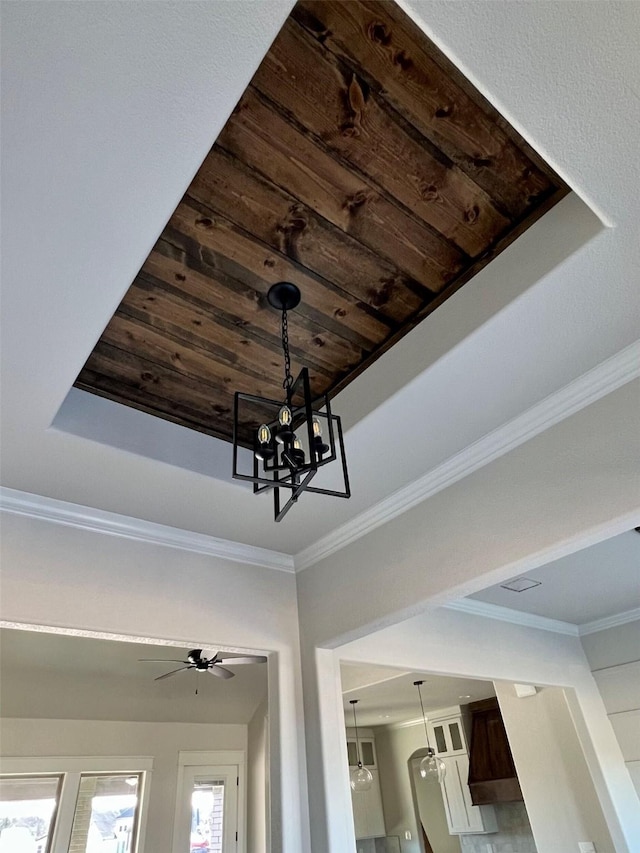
x=284, y=416
x=317, y=429
x=296, y=443
x=264, y=434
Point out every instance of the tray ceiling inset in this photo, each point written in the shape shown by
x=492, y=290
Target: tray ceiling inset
x=360, y=165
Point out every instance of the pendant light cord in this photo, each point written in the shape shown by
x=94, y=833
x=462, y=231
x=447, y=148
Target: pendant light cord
x=288, y=378
x=424, y=719
x=355, y=724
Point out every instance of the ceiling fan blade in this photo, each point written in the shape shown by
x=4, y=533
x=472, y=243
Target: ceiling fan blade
x=173, y=672
x=246, y=659
x=161, y=660
x=220, y=671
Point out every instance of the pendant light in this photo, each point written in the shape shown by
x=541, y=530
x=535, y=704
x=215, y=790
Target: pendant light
x=360, y=777
x=298, y=434
x=432, y=768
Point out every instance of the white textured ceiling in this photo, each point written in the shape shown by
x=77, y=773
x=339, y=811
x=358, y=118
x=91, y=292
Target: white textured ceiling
x=387, y=696
x=108, y=110
x=597, y=582
x=82, y=678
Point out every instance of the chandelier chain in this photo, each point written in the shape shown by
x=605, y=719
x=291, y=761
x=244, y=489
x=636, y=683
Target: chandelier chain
x=288, y=378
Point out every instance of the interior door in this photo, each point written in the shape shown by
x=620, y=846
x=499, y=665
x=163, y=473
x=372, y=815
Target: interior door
x=207, y=819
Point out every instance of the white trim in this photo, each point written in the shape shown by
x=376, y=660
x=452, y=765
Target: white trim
x=18, y=765
x=591, y=386
x=71, y=769
x=405, y=724
x=516, y=617
x=609, y=622
x=214, y=758
x=114, y=524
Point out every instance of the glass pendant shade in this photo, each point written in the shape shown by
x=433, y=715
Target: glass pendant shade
x=432, y=768
x=360, y=778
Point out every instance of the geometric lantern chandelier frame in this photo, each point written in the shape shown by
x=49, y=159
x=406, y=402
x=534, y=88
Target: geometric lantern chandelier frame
x=298, y=434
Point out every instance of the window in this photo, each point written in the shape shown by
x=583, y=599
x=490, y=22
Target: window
x=207, y=816
x=210, y=802
x=73, y=805
x=106, y=814
x=28, y=806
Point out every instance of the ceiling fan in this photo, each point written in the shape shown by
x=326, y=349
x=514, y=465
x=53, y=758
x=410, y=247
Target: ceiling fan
x=202, y=664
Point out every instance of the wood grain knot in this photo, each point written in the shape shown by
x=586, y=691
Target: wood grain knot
x=380, y=296
x=318, y=341
x=472, y=213
x=269, y=262
x=340, y=312
x=180, y=276
x=356, y=200
x=379, y=33
x=482, y=162
x=147, y=376
x=444, y=112
x=403, y=61
x=429, y=192
x=204, y=222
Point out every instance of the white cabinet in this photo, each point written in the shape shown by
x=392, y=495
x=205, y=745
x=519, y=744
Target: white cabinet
x=368, y=816
x=448, y=736
x=367, y=810
x=462, y=816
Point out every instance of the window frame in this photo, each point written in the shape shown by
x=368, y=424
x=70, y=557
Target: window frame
x=71, y=768
x=58, y=797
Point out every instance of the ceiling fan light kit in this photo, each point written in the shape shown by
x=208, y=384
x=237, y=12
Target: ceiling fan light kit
x=298, y=435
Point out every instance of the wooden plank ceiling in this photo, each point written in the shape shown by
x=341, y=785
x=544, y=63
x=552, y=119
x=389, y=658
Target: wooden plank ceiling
x=359, y=164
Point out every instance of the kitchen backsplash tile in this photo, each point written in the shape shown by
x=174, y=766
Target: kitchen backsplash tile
x=513, y=836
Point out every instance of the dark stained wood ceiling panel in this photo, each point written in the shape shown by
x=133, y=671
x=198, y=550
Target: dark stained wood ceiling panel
x=359, y=164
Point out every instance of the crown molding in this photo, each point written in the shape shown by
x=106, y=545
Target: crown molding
x=114, y=524
x=515, y=617
x=602, y=380
x=609, y=622
x=588, y=388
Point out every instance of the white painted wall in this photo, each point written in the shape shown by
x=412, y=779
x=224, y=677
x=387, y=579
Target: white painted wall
x=394, y=747
x=558, y=790
x=162, y=741
x=258, y=840
x=542, y=500
x=449, y=642
x=614, y=658
x=432, y=813
x=78, y=580
x=484, y=528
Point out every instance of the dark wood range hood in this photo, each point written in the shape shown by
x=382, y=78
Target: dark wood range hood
x=492, y=773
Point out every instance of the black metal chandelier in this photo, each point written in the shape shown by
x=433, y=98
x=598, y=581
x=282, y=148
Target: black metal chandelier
x=290, y=439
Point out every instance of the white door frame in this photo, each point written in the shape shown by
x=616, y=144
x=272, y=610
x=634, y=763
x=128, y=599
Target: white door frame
x=221, y=757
